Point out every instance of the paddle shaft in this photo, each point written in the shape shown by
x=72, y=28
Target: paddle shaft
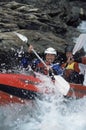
x=60, y=83
x=63, y=85
x=50, y=71
x=39, y=58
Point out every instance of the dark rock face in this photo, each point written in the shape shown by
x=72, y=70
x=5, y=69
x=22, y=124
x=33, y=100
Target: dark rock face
x=44, y=22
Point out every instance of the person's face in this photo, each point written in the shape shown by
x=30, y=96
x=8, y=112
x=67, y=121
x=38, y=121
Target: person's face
x=69, y=54
x=50, y=58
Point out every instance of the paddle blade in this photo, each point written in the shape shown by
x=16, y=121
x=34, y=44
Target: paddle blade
x=62, y=85
x=22, y=37
x=80, y=42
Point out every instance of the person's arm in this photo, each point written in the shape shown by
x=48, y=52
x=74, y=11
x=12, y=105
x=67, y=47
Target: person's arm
x=76, y=67
x=31, y=54
x=84, y=60
x=80, y=59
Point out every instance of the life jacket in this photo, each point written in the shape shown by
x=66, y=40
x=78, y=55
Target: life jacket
x=71, y=74
x=24, y=62
x=70, y=66
x=39, y=67
x=73, y=66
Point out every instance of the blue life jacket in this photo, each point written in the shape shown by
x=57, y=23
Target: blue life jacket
x=34, y=64
x=24, y=62
x=57, y=69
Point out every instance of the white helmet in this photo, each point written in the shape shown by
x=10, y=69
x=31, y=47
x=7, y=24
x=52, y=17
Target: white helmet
x=50, y=50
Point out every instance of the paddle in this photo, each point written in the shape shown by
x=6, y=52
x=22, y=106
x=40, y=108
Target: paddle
x=62, y=85
x=39, y=58
x=22, y=37
x=80, y=42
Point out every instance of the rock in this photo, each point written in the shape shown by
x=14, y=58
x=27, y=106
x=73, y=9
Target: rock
x=45, y=23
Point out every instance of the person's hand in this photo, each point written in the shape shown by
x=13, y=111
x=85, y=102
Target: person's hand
x=30, y=49
x=48, y=68
x=70, y=59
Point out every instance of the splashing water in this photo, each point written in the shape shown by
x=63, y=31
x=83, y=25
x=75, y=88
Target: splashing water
x=51, y=112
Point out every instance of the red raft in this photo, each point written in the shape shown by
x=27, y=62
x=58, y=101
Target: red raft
x=17, y=88
x=77, y=91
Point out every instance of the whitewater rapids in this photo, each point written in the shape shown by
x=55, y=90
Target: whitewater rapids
x=52, y=112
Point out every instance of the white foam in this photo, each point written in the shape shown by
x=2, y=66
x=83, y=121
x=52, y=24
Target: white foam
x=53, y=112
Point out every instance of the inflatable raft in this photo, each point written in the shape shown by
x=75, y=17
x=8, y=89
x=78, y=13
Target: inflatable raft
x=18, y=88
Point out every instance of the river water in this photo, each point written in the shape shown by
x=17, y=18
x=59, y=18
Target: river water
x=53, y=112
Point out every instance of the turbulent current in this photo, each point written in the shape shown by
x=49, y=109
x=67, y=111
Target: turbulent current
x=52, y=112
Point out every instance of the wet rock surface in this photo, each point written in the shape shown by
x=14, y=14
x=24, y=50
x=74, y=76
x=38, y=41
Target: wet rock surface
x=45, y=23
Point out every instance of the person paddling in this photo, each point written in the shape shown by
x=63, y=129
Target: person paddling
x=50, y=56
x=71, y=67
